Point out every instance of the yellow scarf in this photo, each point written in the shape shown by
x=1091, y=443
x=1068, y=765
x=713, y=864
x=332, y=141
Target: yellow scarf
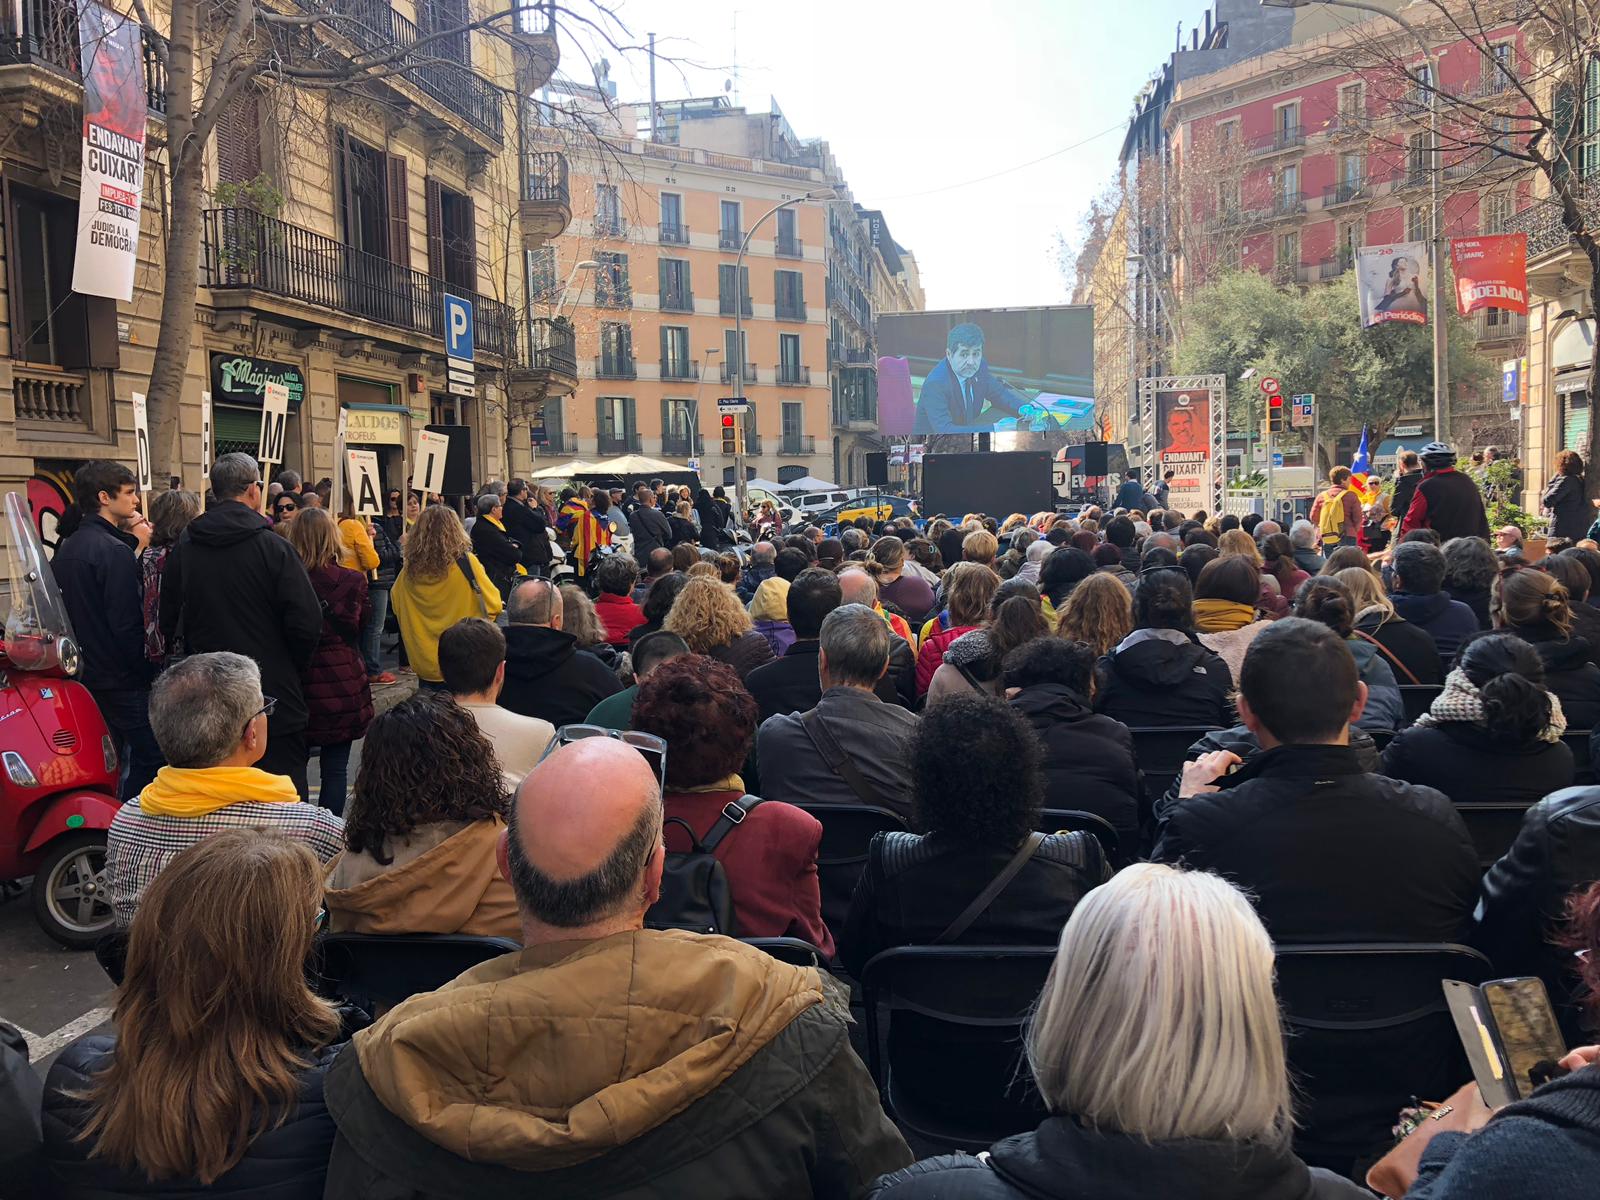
x=521, y=570
x=1222, y=616
x=195, y=792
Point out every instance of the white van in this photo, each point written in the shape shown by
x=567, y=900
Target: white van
x=815, y=502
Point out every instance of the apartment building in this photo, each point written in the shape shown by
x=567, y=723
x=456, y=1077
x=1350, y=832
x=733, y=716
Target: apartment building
x=665, y=308
x=335, y=222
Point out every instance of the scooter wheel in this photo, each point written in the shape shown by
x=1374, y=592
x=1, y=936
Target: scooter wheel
x=70, y=898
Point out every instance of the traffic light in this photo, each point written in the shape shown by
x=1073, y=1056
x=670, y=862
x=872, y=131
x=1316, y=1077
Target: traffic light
x=730, y=434
x=1275, y=421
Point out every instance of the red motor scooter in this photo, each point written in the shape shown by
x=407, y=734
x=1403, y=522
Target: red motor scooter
x=58, y=763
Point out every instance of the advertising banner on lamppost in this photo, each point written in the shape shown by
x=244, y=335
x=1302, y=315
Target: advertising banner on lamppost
x=1393, y=283
x=1491, y=272
x=112, y=187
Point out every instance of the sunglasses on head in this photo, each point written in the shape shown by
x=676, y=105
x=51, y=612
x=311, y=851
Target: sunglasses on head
x=653, y=748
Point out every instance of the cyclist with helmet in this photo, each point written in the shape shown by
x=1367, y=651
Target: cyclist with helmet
x=1446, y=501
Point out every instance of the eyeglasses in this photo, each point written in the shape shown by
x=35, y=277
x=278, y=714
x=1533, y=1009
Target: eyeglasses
x=268, y=704
x=652, y=747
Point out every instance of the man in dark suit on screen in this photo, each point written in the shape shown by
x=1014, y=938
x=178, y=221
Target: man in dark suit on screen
x=961, y=394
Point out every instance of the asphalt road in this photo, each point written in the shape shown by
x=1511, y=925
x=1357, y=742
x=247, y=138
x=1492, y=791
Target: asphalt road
x=56, y=995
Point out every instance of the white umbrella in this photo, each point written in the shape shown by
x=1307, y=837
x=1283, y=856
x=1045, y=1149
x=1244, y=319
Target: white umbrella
x=566, y=470
x=634, y=464
x=806, y=483
x=766, y=485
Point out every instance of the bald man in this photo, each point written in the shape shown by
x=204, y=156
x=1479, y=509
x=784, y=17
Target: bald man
x=607, y=1059
x=859, y=587
x=547, y=675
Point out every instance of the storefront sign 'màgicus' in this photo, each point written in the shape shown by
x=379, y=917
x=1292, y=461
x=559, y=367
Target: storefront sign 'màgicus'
x=236, y=379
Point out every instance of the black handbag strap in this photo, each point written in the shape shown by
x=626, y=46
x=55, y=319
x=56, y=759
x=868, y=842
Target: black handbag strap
x=472, y=582
x=996, y=885
x=733, y=814
x=838, y=761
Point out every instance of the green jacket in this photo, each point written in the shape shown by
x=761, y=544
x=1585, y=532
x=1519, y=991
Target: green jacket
x=614, y=712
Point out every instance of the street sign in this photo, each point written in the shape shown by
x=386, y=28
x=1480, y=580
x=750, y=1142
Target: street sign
x=1258, y=452
x=1269, y=386
x=458, y=327
x=733, y=404
x=693, y=464
x=1277, y=458
x=1304, y=411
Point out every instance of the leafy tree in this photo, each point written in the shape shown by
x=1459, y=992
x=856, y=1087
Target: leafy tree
x=1312, y=341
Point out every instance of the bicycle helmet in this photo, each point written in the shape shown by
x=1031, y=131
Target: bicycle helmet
x=1436, y=454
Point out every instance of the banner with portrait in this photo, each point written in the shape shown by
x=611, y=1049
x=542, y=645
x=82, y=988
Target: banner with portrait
x=1491, y=272
x=1393, y=283
x=1183, y=446
x=112, y=187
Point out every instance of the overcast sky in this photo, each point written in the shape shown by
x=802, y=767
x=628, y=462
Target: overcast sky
x=932, y=110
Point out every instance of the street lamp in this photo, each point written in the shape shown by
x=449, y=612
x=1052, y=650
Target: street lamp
x=694, y=404
x=738, y=329
x=586, y=264
x=1441, y=381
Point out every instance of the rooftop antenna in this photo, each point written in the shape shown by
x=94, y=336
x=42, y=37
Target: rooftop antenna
x=736, y=58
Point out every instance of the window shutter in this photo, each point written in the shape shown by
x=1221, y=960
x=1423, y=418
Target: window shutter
x=468, y=250
x=100, y=316
x=600, y=416
x=342, y=170
x=399, y=212
x=239, y=139
x=1589, y=154
x=434, y=202
x=664, y=343
x=666, y=420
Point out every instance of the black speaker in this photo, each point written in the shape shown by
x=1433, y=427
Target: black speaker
x=457, y=459
x=1094, y=458
x=877, y=468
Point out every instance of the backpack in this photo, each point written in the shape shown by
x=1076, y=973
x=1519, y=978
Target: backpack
x=694, y=886
x=1331, y=522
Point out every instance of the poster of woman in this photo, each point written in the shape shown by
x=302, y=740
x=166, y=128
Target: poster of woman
x=1393, y=282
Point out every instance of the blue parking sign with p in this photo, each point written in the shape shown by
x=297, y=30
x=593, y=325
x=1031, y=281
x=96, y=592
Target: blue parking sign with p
x=457, y=327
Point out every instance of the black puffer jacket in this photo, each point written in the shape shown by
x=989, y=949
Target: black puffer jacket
x=1242, y=742
x=289, y=1162
x=547, y=676
x=1065, y=1160
x=389, y=557
x=1088, y=758
x=1459, y=760
x=1569, y=672
x=499, y=554
x=1524, y=896
x=1154, y=679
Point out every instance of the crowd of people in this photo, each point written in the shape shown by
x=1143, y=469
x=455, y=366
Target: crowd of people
x=629, y=771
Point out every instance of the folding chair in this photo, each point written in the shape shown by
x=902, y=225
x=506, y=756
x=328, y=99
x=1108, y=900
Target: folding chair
x=794, y=951
x=949, y=1064
x=377, y=971
x=1369, y=1029
x=1577, y=741
x=1493, y=828
x=1160, y=752
x=1072, y=820
x=1415, y=698
x=847, y=831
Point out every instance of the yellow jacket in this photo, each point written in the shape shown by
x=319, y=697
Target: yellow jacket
x=359, y=554
x=425, y=608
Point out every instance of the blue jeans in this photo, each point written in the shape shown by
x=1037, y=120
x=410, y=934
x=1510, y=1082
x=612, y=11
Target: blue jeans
x=372, y=634
x=335, y=760
x=127, y=716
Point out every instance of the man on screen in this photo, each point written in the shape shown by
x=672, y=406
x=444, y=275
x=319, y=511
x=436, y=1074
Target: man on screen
x=961, y=394
x=1185, y=434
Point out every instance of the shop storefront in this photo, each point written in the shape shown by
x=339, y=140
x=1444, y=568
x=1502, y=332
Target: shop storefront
x=1570, y=356
x=375, y=420
x=238, y=386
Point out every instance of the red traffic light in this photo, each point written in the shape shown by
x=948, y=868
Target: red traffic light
x=1275, y=401
x=727, y=422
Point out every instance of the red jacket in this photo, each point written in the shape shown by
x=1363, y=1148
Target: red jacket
x=619, y=616
x=771, y=862
x=932, y=653
x=335, y=684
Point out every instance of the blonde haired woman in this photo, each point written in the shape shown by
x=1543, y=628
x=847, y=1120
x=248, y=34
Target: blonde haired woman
x=707, y=614
x=1410, y=649
x=440, y=583
x=579, y=618
x=212, y=1082
x=1270, y=600
x=1157, y=1048
x=1098, y=612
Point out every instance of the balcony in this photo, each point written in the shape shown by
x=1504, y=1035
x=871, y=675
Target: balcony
x=610, y=225
x=375, y=26
x=628, y=443
x=672, y=235
x=725, y=306
x=49, y=396
x=794, y=374
x=1344, y=192
x=672, y=368
x=1505, y=326
x=681, y=445
x=1286, y=204
x=730, y=239
x=557, y=442
x=849, y=356
x=612, y=294
x=45, y=33
x=728, y=372
x=615, y=366
x=547, y=361
x=856, y=413
x=752, y=445
x=797, y=443
x=325, y=281
x=790, y=247
x=1542, y=223
x=1283, y=138
x=546, y=204
x=674, y=300
x=791, y=310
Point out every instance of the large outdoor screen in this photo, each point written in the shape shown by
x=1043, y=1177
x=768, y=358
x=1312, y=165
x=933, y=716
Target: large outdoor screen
x=988, y=370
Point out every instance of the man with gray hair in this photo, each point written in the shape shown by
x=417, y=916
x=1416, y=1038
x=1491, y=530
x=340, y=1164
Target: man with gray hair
x=852, y=748
x=857, y=586
x=761, y=566
x=547, y=676
x=212, y=724
x=1162, y=541
x=853, y=539
x=608, y=1058
x=500, y=555
x=1303, y=536
x=232, y=584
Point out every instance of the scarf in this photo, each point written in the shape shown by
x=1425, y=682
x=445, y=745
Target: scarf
x=1222, y=616
x=199, y=791
x=495, y=523
x=728, y=783
x=1461, y=702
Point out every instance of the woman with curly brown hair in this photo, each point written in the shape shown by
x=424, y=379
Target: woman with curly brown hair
x=709, y=722
x=1564, y=500
x=1099, y=611
x=707, y=614
x=440, y=583
x=422, y=829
